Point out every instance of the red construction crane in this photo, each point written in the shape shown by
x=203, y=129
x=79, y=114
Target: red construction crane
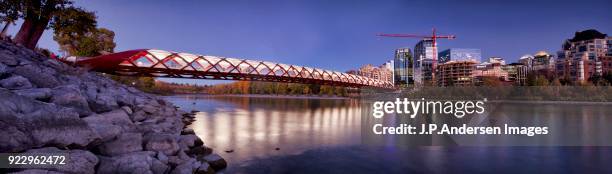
x=433, y=37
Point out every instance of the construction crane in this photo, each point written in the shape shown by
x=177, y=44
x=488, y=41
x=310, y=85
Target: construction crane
x=433, y=37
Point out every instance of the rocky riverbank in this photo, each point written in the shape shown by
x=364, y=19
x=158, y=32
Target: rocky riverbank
x=104, y=126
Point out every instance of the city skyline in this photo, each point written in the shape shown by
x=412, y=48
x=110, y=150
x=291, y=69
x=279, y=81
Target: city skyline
x=327, y=34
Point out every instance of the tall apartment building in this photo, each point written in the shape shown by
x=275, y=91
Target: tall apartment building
x=582, y=57
x=424, y=56
x=402, y=66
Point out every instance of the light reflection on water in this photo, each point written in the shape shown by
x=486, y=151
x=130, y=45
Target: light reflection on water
x=323, y=136
x=255, y=127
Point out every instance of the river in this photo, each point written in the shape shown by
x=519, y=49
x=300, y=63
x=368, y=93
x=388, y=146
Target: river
x=270, y=134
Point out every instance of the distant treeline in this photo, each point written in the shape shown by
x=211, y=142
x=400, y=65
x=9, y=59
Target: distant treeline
x=278, y=88
x=150, y=85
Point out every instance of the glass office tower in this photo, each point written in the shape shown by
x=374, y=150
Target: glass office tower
x=402, y=68
x=423, y=54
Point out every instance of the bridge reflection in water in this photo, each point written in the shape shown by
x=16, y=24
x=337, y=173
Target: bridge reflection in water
x=254, y=126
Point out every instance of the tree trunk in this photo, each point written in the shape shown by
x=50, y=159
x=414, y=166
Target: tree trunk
x=5, y=28
x=34, y=25
x=37, y=32
x=23, y=35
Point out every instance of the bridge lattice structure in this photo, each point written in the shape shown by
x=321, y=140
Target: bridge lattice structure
x=159, y=63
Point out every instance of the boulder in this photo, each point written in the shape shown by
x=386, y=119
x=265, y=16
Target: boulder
x=3, y=69
x=199, y=151
x=187, y=167
x=8, y=58
x=161, y=142
x=27, y=123
x=70, y=96
x=135, y=162
x=187, y=131
x=187, y=141
x=103, y=103
x=78, y=161
x=42, y=77
x=124, y=143
x=179, y=159
x=15, y=82
x=162, y=157
x=204, y=169
x=127, y=110
x=110, y=124
x=42, y=94
x=215, y=161
x=158, y=167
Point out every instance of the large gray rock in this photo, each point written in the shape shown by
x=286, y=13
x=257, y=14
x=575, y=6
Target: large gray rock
x=27, y=123
x=15, y=82
x=157, y=124
x=161, y=142
x=8, y=58
x=124, y=143
x=78, y=161
x=42, y=77
x=205, y=169
x=135, y=162
x=3, y=69
x=43, y=94
x=99, y=97
x=110, y=124
x=215, y=161
x=70, y=96
x=187, y=167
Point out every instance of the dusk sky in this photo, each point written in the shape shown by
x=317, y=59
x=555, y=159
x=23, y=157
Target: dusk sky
x=340, y=35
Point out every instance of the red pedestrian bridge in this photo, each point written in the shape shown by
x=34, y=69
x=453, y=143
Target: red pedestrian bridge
x=159, y=63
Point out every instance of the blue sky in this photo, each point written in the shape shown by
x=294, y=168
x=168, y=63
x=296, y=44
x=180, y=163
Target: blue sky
x=340, y=35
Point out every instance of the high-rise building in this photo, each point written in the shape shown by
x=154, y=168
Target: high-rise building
x=582, y=56
x=459, y=54
x=402, y=69
x=424, y=56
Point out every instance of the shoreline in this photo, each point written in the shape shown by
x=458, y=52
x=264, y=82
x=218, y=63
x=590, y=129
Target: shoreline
x=265, y=96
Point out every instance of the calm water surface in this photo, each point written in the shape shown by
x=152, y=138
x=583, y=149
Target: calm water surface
x=318, y=135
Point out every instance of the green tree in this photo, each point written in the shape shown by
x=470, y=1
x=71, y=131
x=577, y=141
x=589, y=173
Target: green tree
x=97, y=42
